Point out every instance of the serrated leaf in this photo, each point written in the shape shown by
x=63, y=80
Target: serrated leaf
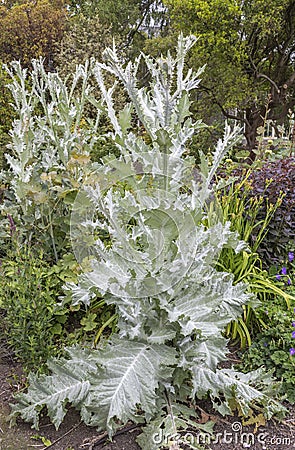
x=68, y=383
x=171, y=428
x=204, y=352
x=257, y=420
x=207, y=307
x=184, y=107
x=125, y=117
x=237, y=388
x=132, y=372
x=107, y=385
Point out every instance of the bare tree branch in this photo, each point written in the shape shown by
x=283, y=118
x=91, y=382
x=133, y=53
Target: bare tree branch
x=224, y=112
x=273, y=83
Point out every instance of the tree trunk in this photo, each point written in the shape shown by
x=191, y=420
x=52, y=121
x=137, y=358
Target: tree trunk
x=254, y=120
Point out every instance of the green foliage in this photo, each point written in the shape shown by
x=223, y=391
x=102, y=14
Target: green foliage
x=217, y=25
x=86, y=37
x=31, y=30
x=271, y=347
x=122, y=18
x=157, y=268
x=246, y=47
x=85, y=324
x=36, y=325
x=31, y=323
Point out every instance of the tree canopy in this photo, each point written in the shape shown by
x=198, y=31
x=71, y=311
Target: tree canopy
x=121, y=17
x=249, y=51
x=31, y=30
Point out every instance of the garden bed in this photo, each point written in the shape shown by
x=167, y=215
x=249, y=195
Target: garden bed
x=74, y=435
x=138, y=252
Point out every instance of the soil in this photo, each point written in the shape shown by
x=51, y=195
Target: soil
x=230, y=434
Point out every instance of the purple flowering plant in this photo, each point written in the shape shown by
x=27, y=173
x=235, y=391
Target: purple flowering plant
x=285, y=274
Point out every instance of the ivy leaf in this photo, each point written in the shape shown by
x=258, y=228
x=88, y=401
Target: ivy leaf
x=88, y=322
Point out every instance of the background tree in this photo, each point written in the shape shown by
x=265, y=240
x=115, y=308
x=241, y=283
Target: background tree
x=30, y=30
x=85, y=37
x=7, y=112
x=249, y=50
x=125, y=19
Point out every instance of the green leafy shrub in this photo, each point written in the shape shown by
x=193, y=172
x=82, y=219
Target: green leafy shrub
x=274, y=346
x=31, y=323
x=36, y=324
x=271, y=347
x=157, y=269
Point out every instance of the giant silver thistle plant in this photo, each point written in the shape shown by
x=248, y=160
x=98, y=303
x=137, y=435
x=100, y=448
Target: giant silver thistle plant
x=48, y=140
x=157, y=268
